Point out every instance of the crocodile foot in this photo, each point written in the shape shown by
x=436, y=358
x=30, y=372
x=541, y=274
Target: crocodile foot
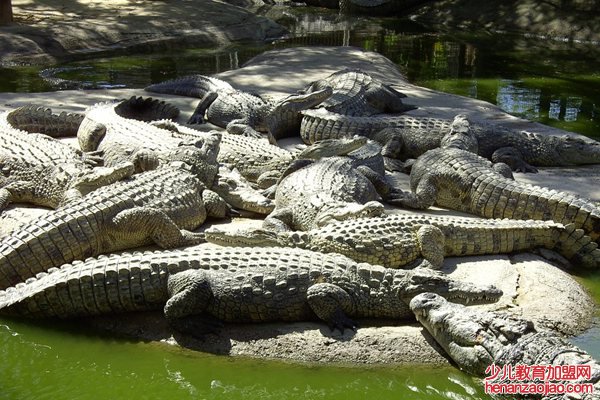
x=197, y=326
x=340, y=321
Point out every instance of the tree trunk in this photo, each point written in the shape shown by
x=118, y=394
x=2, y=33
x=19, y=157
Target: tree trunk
x=6, y=15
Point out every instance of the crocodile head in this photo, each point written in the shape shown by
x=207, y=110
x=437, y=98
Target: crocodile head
x=340, y=211
x=576, y=150
x=245, y=237
x=422, y=279
x=461, y=135
x=236, y=191
x=472, y=338
x=332, y=147
x=284, y=119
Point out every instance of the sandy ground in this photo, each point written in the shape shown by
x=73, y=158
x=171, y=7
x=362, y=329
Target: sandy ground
x=533, y=287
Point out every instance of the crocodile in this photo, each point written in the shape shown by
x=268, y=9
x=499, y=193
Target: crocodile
x=262, y=163
x=454, y=177
x=234, y=284
x=159, y=206
x=109, y=128
x=241, y=112
x=313, y=193
x=39, y=169
x=406, y=137
x=483, y=343
x=355, y=92
x=397, y=240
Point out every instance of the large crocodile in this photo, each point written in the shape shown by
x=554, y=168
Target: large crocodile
x=235, y=285
x=407, y=137
x=109, y=128
x=355, y=92
x=41, y=170
x=122, y=132
x=487, y=342
x=313, y=193
x=263, y=163
x=238, y=111
x=397, y=240
x=158, y=206
x=454, y=177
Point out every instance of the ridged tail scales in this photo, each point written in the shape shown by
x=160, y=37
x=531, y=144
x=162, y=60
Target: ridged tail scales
x=59, y=237
x=495, y=197
x=35, y=119
x=108, y=284
x=192, y=86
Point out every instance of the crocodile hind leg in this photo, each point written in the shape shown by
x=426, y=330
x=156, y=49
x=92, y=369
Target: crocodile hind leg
x=90, y=134
x=189, y=294
x=331, y=303
x=431, y=240
x=155, y=224
x=24, y=192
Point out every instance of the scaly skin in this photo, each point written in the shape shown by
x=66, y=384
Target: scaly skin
x=157, y=206
x=234, y=285
x=407, y=137
x=241, y=112
x=41, y=170
x=476, y=339
x=41, y=120
x=458, y=179
x=312, y=194
x=357, y=93
x=107, y=127
x=263, y=163
x=396, y=240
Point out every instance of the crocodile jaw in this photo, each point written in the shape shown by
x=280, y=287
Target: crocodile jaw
x=462, y=337
x=340, y=211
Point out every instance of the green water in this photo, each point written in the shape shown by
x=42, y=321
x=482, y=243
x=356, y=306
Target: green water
x=554, y=83
x=46, y=363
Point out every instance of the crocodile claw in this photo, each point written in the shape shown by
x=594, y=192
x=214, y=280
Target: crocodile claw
x=197, y=326
x=340, y=321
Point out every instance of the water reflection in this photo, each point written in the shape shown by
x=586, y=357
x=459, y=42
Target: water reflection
x=521, y=76
x=518, y=100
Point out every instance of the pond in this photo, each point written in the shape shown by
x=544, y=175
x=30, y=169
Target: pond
x=526, y=77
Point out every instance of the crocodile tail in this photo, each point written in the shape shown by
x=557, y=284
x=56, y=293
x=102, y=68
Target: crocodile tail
x=34, y=119
x=496, y=197
x=146, y=109
x=59, y=237
x=578, y=247
x=103, y=285
x=192, y=86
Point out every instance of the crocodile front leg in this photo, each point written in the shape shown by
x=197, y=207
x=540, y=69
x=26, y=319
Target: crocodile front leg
x=513, y=158
x=243, y=128
x=215, y=206
x=331, y=304
x=155, y=224
x=279, y=220
x=423, y=197
x=198, y=115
